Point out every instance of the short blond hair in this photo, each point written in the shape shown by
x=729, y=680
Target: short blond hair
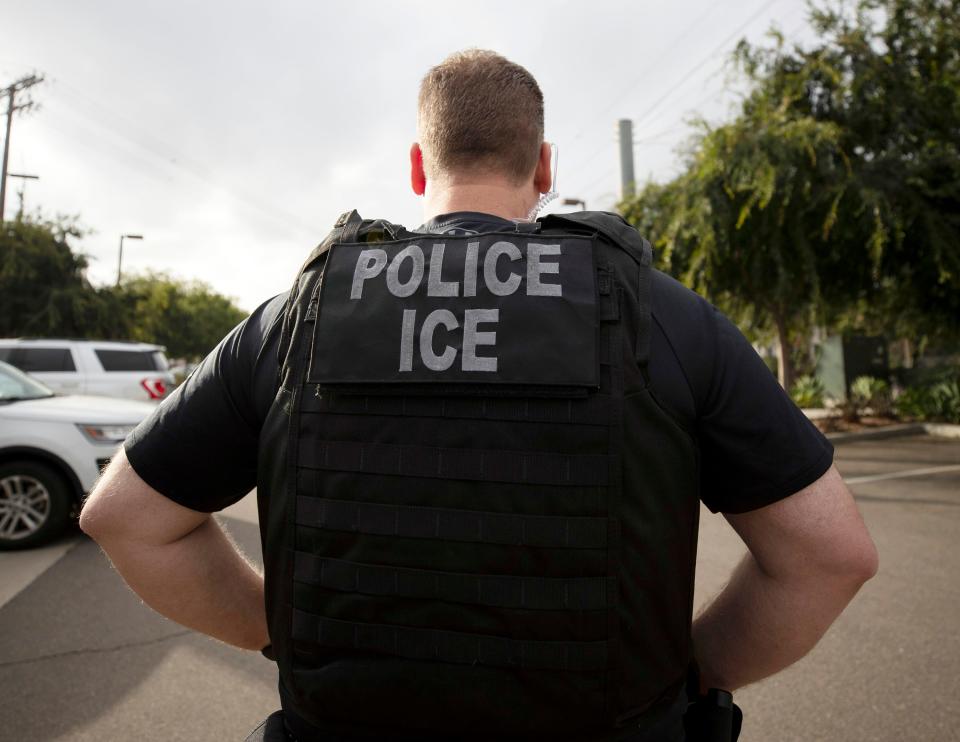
x=479, y=110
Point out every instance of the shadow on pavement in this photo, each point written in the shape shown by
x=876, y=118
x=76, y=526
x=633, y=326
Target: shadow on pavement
x=77, y=643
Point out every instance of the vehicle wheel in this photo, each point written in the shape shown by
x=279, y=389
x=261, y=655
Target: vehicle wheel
x=35, y=504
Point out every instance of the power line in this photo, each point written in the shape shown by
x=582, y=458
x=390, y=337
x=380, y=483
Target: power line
x=690, y=73
x=708, y=58
x=165, y=152
x=634, y=83
x=143, y=162
x=96, y=116
x=655, y=138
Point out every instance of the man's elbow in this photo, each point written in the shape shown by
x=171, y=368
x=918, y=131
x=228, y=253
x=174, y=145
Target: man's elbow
x=95, y=519
x=854, y=564
x=101, y=516
x=865, y=563
x=105, y=515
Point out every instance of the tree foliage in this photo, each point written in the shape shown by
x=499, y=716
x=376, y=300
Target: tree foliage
x=43, y=289
x=834, y=194
x=748, y=217
x=44, y=292
x=189, y=318
x=889, y=79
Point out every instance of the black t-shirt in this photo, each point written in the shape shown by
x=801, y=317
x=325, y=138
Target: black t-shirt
x=199, y=447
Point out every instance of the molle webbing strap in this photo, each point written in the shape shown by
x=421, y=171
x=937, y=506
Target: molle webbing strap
x=622, y=234
x=595, y=410
x=497, y=591
x=471, y=526
x=350, y=221
x=450, y=646
x=644, y=317
x=519, y=467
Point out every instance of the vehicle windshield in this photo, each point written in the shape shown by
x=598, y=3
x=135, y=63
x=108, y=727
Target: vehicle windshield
x=16, y=385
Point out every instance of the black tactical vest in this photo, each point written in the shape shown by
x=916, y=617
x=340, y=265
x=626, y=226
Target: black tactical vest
x=477, y=519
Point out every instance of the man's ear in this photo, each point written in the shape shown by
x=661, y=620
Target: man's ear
x=418, y=179
x=542, y=177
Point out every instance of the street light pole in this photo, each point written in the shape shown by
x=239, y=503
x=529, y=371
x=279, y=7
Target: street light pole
x=120, y=258
x=575, y=202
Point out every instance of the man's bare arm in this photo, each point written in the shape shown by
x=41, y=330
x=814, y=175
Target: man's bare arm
x=809, y=555
x=178, y=560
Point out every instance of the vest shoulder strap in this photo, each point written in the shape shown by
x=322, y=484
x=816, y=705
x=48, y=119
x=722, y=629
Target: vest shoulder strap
x=349, y=227
x=622, y=234
x=612, y=226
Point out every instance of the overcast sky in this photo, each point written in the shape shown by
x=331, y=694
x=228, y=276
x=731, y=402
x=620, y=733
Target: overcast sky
x=232, y=134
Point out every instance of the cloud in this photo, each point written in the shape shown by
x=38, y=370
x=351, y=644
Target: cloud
x=232, y=134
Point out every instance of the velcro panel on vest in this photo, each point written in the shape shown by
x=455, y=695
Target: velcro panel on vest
x=492, y=309
x=518, y=467
x=453, y=525
x=499, y=591
x=450, y=646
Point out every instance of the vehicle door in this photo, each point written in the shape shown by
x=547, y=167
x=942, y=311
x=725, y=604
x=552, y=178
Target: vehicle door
x=55, y=367
x=133, y=374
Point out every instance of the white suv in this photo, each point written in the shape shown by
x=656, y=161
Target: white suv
x=98, y=367
x=52, y=448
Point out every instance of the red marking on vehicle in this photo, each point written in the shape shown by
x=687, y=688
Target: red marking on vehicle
x=155, y=388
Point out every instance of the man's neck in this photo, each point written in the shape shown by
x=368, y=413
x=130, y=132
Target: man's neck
x=503, y=201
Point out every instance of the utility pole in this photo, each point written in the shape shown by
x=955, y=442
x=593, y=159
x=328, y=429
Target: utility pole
x=23, y=187
x=627, y=178
x=12, y=107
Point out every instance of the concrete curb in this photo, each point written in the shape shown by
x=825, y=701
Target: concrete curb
x=887, y=431
x=941, y=430
x=944, y=430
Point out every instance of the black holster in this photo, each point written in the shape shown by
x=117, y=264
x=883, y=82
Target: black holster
x=713, y=717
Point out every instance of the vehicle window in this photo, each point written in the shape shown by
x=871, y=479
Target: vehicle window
x=5, y=354
x=44, y=359
x=127, y=360
x=14, y=385
x=161, y=360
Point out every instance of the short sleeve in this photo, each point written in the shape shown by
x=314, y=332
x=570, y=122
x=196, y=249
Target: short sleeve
x=199, y=447
x=756, y=445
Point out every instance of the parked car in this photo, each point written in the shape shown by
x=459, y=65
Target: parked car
x=52, y=449
x=106, y=368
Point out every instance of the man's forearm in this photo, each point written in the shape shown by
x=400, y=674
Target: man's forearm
x=759, y=625
x=200, y=581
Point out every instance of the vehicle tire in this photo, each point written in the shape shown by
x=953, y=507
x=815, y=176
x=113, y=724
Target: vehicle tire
x=35, y=504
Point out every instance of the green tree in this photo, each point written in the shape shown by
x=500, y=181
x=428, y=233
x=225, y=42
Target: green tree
x=43, y=286
x=744, y=223
x=188, y=317
x=834, y=194
x=44, y=292
x=888, y=76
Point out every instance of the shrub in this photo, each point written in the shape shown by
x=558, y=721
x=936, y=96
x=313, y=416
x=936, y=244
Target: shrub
x=807, y=392
x=934, y=402
x=946, y=401
x=869, y=391
x=913, y=402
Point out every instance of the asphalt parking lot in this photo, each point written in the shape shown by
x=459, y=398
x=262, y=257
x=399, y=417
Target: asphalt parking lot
x=82, y=659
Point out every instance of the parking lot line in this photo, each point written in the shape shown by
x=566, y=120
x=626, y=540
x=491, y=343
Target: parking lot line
x=903, y=474
x=20, y=568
